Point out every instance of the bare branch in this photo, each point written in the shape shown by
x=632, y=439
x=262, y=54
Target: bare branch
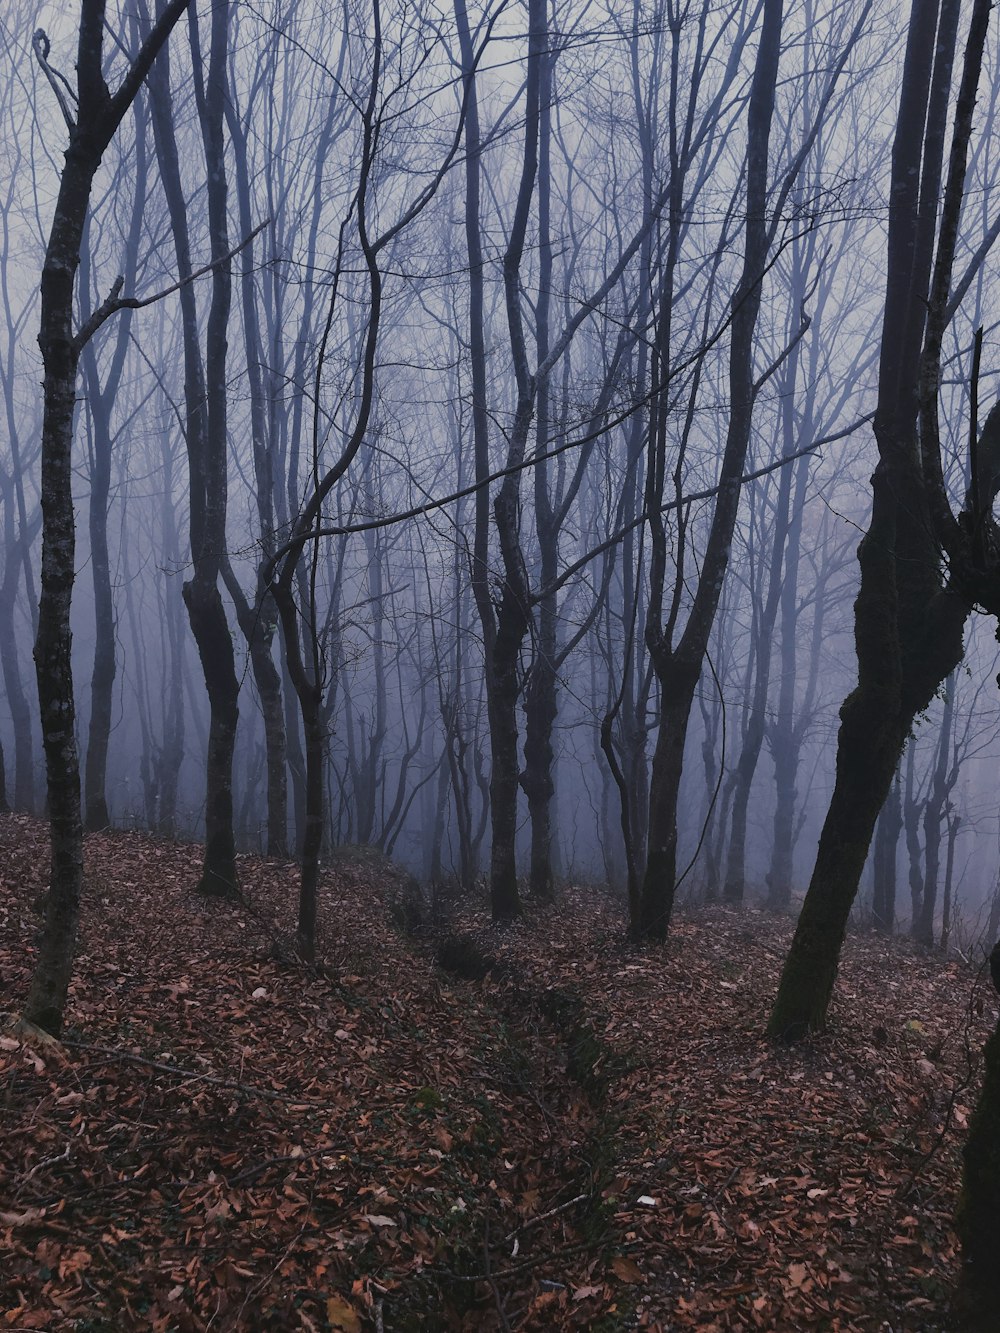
x=115, y=303
x=58, y=82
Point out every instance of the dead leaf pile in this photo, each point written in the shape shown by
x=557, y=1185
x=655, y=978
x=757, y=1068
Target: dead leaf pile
x=594, y=1136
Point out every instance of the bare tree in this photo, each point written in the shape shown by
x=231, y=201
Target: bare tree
x=909, y=622
x=93, y=114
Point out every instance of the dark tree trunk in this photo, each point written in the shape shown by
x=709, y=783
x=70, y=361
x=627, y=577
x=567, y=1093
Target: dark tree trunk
x=679, y=668
x=513, y=615
x=99, y=116
x=102, y=678
x=660, y=880
x=908, y=629
x=205, y=437
x=206, y=612
x=900, y=665
x=540, y=704
x=210, y=628
x=936, y=813
x=60, y=354
x=979, y=1203
x=502, y=700
x=540, y=712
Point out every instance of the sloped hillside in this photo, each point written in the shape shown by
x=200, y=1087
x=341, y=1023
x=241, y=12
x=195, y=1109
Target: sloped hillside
x=553, y=1130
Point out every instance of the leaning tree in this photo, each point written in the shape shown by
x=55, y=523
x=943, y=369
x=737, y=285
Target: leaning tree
x=923, y=567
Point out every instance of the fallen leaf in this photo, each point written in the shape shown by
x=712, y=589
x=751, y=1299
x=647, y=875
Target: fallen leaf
x=626, y=1269
x=340, y=1314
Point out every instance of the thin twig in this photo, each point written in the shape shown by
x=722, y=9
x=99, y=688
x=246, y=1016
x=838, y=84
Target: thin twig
x=542, y=1217
x=114, y=302
x=518, y=1268
x=126, y=1057
x=497, y=1298
x=252, y=1172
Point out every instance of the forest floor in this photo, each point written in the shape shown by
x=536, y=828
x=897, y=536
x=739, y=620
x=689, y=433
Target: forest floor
x=591, y=1136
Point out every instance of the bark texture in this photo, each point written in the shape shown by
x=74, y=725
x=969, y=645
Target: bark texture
x=908, y=625
x=99, y=115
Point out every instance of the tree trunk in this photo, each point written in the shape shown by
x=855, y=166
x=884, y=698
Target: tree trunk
x=890, y=823
x=53, y=644
x=954, y=823
x=17, y=700
x=205, y=393
x=660, y=879
x=979, y=1204
x=99, y=116
x=512, y=626
x=900, y=665
x=908, y=629
x=914, y=852
x=678, y=668
x=936, y=812
x=540, y=712
x=210, y=628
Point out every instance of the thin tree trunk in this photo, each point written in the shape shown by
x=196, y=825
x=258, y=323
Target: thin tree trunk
x=99, y=115
x=678, y=669
x=954, y=824
x=911, y=826
x=935, y=812
x=890, y=823
x=205, y=393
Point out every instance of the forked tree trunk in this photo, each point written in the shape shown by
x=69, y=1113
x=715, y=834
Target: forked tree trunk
x=679, y=668
x=908, y=628
x=660, y=880
x=206, y=612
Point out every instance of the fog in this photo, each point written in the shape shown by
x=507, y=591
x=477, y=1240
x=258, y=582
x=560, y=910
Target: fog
x=532, y=366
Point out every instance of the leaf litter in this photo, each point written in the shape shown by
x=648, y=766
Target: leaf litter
x=593, y=1136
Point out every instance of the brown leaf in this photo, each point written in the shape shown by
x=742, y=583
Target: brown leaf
x=626, y=1269
x=342, y=1315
